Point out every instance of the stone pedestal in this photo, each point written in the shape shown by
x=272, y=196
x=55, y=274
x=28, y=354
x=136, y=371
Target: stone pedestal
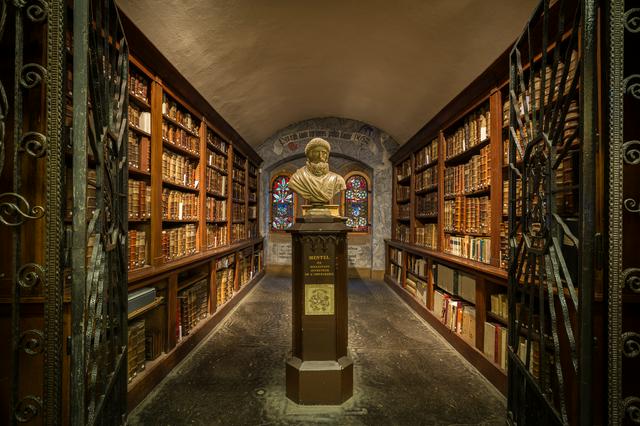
x=319, y=372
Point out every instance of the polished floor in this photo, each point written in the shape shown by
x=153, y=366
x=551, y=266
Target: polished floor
x=405, y=374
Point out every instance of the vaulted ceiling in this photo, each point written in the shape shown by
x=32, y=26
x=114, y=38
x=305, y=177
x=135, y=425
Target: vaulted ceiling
x=266, y=64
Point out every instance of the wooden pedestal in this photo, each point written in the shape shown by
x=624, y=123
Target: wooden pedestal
x=319, y=372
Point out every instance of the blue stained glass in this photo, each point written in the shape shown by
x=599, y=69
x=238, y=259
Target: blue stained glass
x=281, y=204
x=357, y=203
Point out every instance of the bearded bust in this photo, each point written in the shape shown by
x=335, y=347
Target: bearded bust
x=314, y=182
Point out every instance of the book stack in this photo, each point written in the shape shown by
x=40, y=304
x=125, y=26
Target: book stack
x=216, y=236
x=474, y=131
x=139, y=119
x=174, y=111
x=427, y=155
x=238, y=160
x=216, y=160
x=193, y=305
x=404, y=210
x=238, y=175
x=252, y=230
x=225, y=275
x=216, y=182
x=427, y=179
x=505, y=197
x=245, y=267
x=454, y=215
x=139, y=199
x=402, y=193
x=238, y=211
x=403, y=171
x=495, y=343
x=470, y=177
x=474, y=248
x=216, y=210
x=402, y=233
x=179, y=170
x=179, y=137
x=178, y=242
x=499, y=305
x=417, y=265
x=177, y=205
x=458, y=316
x=135, y=349
x=395, y=255
x=138, y=85
x=427, y=205
x=477, y=215
x=216, y=141
x=137, y=249
x=238, y=232
x=238, y=192
x=139, y=154
x=427, y=236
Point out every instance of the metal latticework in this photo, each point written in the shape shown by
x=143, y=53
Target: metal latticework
x=100, y=75
x=551, y=215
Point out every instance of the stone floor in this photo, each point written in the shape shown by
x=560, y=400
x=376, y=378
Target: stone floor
x=405, y=373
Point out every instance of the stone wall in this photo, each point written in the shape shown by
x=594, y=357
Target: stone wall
x=353, y=145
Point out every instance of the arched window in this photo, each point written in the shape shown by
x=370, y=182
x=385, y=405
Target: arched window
x=356, y=202
x=281, y=204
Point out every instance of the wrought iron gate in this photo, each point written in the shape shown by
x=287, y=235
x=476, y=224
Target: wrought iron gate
x=552, y=215
x=63, y=210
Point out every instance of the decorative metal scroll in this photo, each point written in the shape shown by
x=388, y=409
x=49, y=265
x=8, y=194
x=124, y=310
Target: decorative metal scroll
x=31, y=34
x=551, y=194
x=100, y=230
x=624, y=262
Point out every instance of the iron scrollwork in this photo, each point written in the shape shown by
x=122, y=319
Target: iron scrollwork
x=32, y=75
x=630, y=344
x=631, y=151
x=27, y=409
x=631, y=407
x=631, y=278
x=32, y=342
x=35, y=12
x=34, y=143
x=631, y=85
x=632, y=20
x=14, y=212
x=30, y=275
x=632, y=205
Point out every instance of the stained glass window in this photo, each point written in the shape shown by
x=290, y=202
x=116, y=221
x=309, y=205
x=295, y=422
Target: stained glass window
x=357, y=203
x=281, y=204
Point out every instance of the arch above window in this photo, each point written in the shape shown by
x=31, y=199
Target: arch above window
x=282, y=207
x=357, y=202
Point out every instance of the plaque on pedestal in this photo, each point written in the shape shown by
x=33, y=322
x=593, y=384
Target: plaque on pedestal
x=319, y=372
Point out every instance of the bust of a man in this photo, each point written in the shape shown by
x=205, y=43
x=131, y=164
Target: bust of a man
x=314, y=181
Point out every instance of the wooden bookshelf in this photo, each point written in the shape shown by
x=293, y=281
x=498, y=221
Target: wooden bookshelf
x=197, y=257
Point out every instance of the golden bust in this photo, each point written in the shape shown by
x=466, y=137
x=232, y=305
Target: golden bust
x=314, y=182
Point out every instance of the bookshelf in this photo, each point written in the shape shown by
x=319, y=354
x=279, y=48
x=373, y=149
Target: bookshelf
x=194, y=241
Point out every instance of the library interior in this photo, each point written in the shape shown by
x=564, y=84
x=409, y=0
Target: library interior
x=340, y=212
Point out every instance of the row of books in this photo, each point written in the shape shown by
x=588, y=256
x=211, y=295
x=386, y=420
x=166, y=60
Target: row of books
x=238, y=160
x=499, y=305
x=239, y=232
x=505, y=197
x=193, y=306
x=396, y=255
x=179, y=242
x=474, y=248
x=396, y=273
x=216, y=160
x=505, y=252
x=238, y=191
x=403, y=170
x=91, y=193
x=137, y=249
x=253, y=170
x=216, y=182
x=238, y=211
x=402, y=192
x=177, y=205
x=175, y=111
x=256, y=266
x=474, y=130
x=417, y=265
x=252, y=229
x=244, y=271
x=217, y=141
x=253, y=212
x=177, y=136
x=238, y=175
x=139, y=119
x=215, y=209
x=427, y=205
x=495, y=343
x=470, y=215
x=427, y=236
x=427, y=179
x=253, y=182
x=217, y=235
x=139, y=199
x=470, y=177
x=135, y=349
x=402, y=232
x=138, y=85
x=225, y=281
x=428, y=154
x=139, y=152
x=457, y=315
x=253, y=196
x=179, y=169
x=404, y=211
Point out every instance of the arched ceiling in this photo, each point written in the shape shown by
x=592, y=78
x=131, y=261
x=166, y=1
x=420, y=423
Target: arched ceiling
x=266, y=64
